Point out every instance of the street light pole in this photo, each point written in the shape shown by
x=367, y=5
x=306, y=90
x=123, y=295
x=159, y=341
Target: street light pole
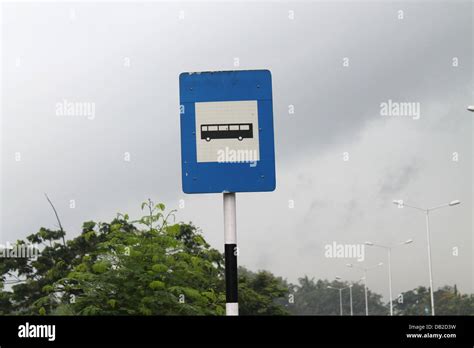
x=350, y=293
x=350, y=298
x=340, y=300
x=429, y=261
x=365, y=269
x=365, y=290
x=390, y=279
x=401, y=204
x=389, y=252
x=340, y=296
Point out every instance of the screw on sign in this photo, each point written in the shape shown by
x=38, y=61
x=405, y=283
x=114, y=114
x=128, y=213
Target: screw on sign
x=227, y=112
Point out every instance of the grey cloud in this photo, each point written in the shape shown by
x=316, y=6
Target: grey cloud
x=395, y=179
x=336, y=110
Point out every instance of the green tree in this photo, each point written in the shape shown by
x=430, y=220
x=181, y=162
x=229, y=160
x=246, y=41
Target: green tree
x=448, y=301
x=262, y=293
x=315, y=298
x=143, y=267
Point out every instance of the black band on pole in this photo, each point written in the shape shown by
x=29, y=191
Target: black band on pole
x=231, y=293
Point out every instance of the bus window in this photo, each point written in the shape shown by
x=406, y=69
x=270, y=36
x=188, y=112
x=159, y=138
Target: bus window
x=244, y=127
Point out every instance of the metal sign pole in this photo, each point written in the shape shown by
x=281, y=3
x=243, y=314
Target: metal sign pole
x=230, y=240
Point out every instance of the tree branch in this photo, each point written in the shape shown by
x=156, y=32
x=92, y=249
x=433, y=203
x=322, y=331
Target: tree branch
x=57, y=218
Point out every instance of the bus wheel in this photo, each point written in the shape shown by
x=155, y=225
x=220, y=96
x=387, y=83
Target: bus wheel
x=240, y=138
x=208, y=139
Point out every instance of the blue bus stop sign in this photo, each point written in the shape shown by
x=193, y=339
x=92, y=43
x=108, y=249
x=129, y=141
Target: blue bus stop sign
x=227, y=142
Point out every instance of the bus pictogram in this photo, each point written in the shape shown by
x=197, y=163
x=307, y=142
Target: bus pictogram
x=238, y=131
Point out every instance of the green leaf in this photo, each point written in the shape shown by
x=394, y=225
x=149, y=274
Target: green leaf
x=157, y=285
x=47, y=288
x=159, y=268
x=101, y=266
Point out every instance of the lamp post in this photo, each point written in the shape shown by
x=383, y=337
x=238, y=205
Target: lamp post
x=389, y=250
x=365, y=269
x=350, y=293
x=350, y=299
x=340, y=295
x=401, y=204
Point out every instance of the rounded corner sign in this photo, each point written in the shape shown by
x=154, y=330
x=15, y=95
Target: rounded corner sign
x=227, y=142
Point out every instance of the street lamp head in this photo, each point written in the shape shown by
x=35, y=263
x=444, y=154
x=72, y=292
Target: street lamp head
x=330, y=287
x=369, y=243
x=471, y=108
x=456, y=202
x=396, y=202
x=380, y=264
x=349, y=265
x=338, y=278
x=408, y=241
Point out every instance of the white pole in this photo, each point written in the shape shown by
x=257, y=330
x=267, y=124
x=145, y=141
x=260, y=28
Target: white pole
x=365, y=286
x=350, y=297
x=340, y=300
x=390, y=278
x=230, y=240
x=429, y=261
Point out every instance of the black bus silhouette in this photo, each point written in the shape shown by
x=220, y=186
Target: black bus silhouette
x=226, y=131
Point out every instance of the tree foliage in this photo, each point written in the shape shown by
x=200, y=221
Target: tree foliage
x=262, y=293
x=448, y=301
x=143, y=267
x=315, y=298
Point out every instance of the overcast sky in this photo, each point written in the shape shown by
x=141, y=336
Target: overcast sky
x=126, y=58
